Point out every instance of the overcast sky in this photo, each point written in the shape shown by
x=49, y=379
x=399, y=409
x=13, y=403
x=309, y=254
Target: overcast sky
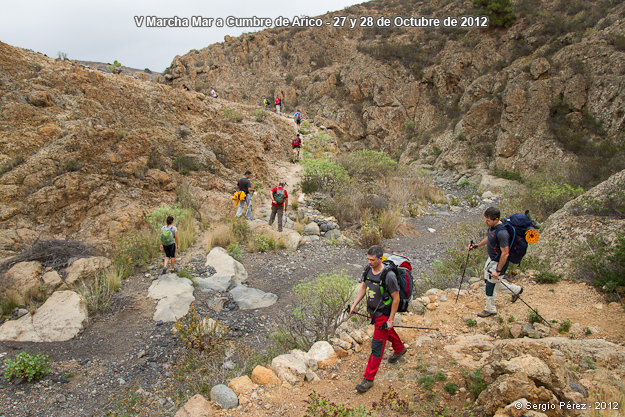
x=106, y=31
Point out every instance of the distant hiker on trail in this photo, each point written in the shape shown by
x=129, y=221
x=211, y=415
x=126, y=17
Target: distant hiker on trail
x=185, y=87
x=497, y=243
x=213, y=94
x=297, y=145
x=279, y=203
x=169, y=241
x=266, y=103
x=278, y=104
x=298, y=119
x=245, y=185
x=382, y=291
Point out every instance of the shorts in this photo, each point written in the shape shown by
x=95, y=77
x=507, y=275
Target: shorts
x=298, y=121
x=170, y=250
x=297, y=146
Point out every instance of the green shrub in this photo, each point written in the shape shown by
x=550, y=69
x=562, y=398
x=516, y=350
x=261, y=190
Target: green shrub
x=26, y=366
x=232, y=114
x=428, y=381
x=451, y=388
x=185, y=164
x=262, y=243
x=605, y=265
x=368, y=165
x=565, y=326
x=471, y=323
x=234, y=249
x=546, y=196
x=115, y=68
x=410, y=129
x=473, y=200
x=476, y=383
x=370, y=234
x=500, y=12
x=201, y=333
x=509, y=175
x=545, y=277
x=322, y=407
x=323, y=175
x=260, y=114
x=320, y=304
x=533, y=317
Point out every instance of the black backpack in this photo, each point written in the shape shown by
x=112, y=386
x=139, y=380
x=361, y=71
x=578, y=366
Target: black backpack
x=517, y=226
x=404, y=279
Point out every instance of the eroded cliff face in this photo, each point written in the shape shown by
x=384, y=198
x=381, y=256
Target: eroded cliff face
x=85, y=155
x=546, y=91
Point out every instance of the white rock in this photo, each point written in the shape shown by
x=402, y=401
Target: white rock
x=174, y=295
x=431, y=230
x=289, y=368
x=311, y=229
x=322, y=352
x=60, y=318
x=251, y=298
x=85, y=269
x=218, y=283
x=226, y=265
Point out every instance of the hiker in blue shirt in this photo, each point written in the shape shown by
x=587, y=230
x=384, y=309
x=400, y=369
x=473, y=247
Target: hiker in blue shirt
x=497, y=243
x=169, y=241
x=298, y=119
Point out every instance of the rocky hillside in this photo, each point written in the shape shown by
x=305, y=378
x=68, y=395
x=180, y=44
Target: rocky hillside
x=84, y=155
x=544, y=94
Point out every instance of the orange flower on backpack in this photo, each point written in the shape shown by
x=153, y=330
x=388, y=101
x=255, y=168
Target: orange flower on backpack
x=532, y=236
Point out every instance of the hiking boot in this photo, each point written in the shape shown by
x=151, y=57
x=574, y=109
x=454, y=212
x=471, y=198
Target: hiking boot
x=174, y=270
x=486, y=314
x=516, y=296
x=164, y=271
x=395, y=356
x=364, y=385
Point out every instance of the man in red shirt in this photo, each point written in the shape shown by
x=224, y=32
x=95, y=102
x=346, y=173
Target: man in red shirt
x=279, y=202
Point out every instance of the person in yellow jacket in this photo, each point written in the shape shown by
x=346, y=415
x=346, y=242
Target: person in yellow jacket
x=245, y=185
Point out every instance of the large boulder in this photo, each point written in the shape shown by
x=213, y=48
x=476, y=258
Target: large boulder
x=226, y=266
x=289, y=368
x=218, y=283
x=174, y=295
x=197, y=406
x=23, y=278
x=85, y=269
x=251, y=298
x=311, y=229
x=568, y=231
x=60, y=318
x=323, y=353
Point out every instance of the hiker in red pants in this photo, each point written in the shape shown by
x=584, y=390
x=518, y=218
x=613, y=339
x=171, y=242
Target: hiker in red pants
x=382, y=291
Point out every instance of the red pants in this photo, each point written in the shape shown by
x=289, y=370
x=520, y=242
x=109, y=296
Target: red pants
x=380, y=336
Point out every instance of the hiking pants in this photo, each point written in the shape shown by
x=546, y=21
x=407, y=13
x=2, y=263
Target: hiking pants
x=279, y=210
x=278, y=108
x=380, y=336
x=248, y=202
x=493, y=286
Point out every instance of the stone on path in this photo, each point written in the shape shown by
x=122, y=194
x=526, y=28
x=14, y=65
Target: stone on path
x=251, y=298
x=265, y=376
x=174, y=295
x=224, y=396
x=311, y=229
x=226, y=266
x=60, y=318
x=197, y=406
x=215, y=283
x=241, y=385
x=323, y=353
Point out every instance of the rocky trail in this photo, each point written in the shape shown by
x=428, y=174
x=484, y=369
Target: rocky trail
x=127, y=350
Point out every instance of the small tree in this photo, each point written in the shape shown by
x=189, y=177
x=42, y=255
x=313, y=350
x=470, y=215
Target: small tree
x=115, y=68
x=500, y=12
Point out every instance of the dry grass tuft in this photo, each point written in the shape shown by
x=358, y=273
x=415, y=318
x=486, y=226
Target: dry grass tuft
x=389, y=220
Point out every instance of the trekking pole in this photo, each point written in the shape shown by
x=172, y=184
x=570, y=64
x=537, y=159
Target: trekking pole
x=463, y=271
x=384, y=326
x=530, y=307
